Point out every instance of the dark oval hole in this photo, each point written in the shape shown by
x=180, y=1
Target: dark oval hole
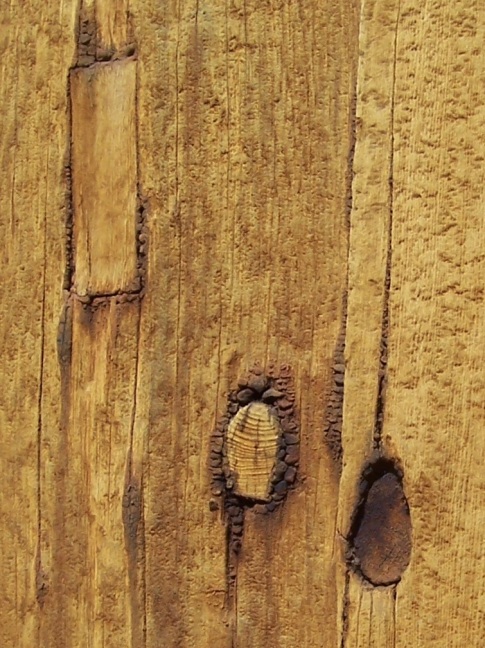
x=381, y=535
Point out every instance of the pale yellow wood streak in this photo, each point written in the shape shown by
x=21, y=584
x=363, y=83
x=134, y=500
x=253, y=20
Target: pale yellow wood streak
x=104, y=167
x=252, y=442
x=370, y=616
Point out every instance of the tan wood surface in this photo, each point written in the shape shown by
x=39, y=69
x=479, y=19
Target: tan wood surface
x=193, y=190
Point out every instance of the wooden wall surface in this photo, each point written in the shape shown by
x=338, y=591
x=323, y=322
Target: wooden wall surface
x=192, y=189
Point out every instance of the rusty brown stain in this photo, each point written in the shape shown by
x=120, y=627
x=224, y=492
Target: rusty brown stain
x=131, y=514
x=41, y=582
x=382, y=538
x=64, y=335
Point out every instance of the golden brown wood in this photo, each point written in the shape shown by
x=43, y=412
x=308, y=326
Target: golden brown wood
x=311, y=177
x=104, y=167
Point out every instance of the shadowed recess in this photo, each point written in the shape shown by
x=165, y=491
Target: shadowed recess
x=381, y=535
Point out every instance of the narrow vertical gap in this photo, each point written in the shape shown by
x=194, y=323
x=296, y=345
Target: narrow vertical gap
x=143, y=262
x=343, y=333
x=39, y=577
x=394, y=617
x=345, y=610
x=69, y=217
x=385, y=323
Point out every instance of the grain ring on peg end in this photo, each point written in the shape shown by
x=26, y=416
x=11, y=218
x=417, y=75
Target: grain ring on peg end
x=252, y=445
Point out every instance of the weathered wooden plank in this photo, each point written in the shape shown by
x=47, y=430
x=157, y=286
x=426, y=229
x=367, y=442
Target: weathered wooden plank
x=435, y=254
x=104, y=168
x=371, y=616
x=183, y=133
x=244, y=131
x=299, y=65
x=96, y=536
x=369, y=254
x=435, y=415
x=247, y=176
x=35, y=53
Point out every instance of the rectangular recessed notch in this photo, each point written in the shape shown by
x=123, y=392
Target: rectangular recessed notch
x=104, y=178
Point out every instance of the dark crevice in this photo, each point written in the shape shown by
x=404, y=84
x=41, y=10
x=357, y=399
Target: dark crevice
x=380, y=535
x=334, y=410
x=69, y=252
x=41, y=578
x=351, y=156
x=345, y=610
x=133, y=525
x=120, y=296
x=334, y=437
x=383, y=351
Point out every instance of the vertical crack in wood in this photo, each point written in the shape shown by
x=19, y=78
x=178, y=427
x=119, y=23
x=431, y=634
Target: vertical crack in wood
x=69, y=217
x=41, y=583
x=134, y=530
x=133, y=515
x=334, y=409
x=385, y=324
x=394, y=616
x=345, y=609
x=340, y=347
x=141, y=224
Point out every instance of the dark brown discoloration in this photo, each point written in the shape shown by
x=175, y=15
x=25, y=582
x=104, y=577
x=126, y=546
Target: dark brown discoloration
x=381, y=537
x=64, y=335
x=142, y=239
x=41, y=583
x=334, y=411
x=131, y=513
x=134, y=534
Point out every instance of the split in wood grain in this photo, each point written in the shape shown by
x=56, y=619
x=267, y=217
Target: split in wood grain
x=333, y=420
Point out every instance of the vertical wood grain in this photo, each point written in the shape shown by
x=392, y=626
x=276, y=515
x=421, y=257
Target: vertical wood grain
x=437, y=383
x=237, y=120
x=104, y=170
x=246, y=125
x=35, y=55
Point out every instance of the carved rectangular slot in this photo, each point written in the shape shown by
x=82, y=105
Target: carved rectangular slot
x=104, y=182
